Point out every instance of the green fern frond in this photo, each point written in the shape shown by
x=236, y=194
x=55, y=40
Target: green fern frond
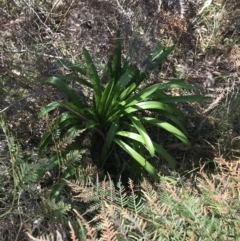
x=26, y=173
x=108, y=190
x=121, y=195
x=15, y=151
x=72, y=158
x=189, y=208
x=53, y=210
x=55, y=131
x=135, y=201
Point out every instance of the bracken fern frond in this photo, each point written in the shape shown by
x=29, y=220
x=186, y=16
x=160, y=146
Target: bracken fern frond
x=26, y=174
x=72, y=232
x=108, y=232
x=53, y=210
x=91, y=232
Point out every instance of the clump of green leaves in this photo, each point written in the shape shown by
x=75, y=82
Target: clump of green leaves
x=120, y=110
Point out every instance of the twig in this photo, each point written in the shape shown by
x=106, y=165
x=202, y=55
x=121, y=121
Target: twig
x=14, y=103
x=214, y=103
x=65, y=15
x=5, y=12
x=47, y=28
x=206, y=4
x=21, y=224
x=32, y=52
x=54, y=5
x=159, y=5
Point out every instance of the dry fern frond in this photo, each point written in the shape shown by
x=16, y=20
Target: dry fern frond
x=151, y=197
x=76, y=187
x=231, y=167
x=60, y=144
x=91, y=232
x=234, y=59
x=152, y=200
x=107, y=190
x=178, y=6
x=72, y=233
x=136, y=222
x=107, y=229
x=172, y=190
x=181, y=7
x=83, y=193
x=146, y=185
x=215, y=198
x=47, y=237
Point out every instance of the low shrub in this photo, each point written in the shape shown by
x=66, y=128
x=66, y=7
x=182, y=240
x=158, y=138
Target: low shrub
x=118, y=113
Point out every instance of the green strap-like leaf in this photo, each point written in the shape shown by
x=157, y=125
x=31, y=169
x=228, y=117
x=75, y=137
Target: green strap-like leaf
x=127, y=91
x=72, y=66
x=176, y=83
x=165, y=155
x=116, y=64
x=94, y=77
x=65, y=116
x=174, y=119
x=65, y=122
x=63, y=87
x=140, y=77
x=45, y=140
x=75, y=108
x=57, y=188
x=142, y=95
x=53, y=162
x=75, y=130
x=178, y=99
x=168, y=127
x=46, y=109
x=124, y=81
x=81, y=81
x=143, y=133
x=158, y=148
x=151, y=105
x=106, y=101
x=158, y=55
x=108, y=141
x=121, y=109
x=116, y=92
x=140, y=159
